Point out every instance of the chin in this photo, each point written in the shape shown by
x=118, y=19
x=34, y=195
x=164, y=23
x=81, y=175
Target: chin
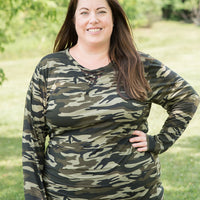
x=97, y=42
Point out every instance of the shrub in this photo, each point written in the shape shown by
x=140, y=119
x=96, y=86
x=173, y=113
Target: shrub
x=2, y=76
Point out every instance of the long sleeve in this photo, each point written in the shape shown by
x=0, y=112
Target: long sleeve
x=175, y=95
x=33, y=141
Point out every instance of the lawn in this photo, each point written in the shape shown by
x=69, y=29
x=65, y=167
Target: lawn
x=175, y=44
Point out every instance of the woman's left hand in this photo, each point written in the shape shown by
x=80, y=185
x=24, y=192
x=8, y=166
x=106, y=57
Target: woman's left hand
x=139, y=141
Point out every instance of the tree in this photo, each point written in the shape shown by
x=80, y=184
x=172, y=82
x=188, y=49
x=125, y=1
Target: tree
x=142, y=12
x=187, y=10
x=6, y=15
x=15, y=14
x=148, y=12
x=196, y=12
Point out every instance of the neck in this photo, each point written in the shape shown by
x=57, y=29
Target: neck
x=93, y=50
x=90, y=56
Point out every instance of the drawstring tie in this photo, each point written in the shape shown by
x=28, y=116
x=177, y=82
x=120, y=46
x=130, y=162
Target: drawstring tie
x=91, y=77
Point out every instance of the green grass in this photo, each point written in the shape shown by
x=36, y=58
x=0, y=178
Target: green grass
x=176, y=44
x=12, y=94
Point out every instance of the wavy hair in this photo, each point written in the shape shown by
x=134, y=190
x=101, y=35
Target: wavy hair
x=123, y=53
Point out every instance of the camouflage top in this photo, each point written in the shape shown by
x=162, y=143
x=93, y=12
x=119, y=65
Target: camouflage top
x=89, y=155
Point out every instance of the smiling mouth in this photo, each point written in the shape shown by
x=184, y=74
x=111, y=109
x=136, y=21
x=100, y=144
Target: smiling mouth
x=94, y=30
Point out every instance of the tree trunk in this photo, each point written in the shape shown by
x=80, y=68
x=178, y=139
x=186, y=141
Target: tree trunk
x=196, y=14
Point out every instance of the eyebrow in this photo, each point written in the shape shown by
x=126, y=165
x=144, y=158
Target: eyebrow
x=101, y=8
x=88, y=9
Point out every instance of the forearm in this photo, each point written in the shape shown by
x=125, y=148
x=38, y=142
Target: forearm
x=179, y=117
x=33, y=162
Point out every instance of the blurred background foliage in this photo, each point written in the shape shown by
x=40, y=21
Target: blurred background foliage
x=42, y=18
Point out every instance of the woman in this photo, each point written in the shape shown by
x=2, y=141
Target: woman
x=92, y=97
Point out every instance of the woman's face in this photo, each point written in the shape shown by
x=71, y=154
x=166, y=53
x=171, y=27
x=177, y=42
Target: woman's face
x=93, y=22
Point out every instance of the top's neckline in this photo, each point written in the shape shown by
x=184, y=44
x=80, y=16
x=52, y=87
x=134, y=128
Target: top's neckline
x=100, y=69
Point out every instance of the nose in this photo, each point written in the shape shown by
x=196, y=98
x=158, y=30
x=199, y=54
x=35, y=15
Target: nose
x=93, y=18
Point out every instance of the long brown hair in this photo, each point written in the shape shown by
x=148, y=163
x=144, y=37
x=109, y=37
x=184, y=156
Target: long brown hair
x=130, y=71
